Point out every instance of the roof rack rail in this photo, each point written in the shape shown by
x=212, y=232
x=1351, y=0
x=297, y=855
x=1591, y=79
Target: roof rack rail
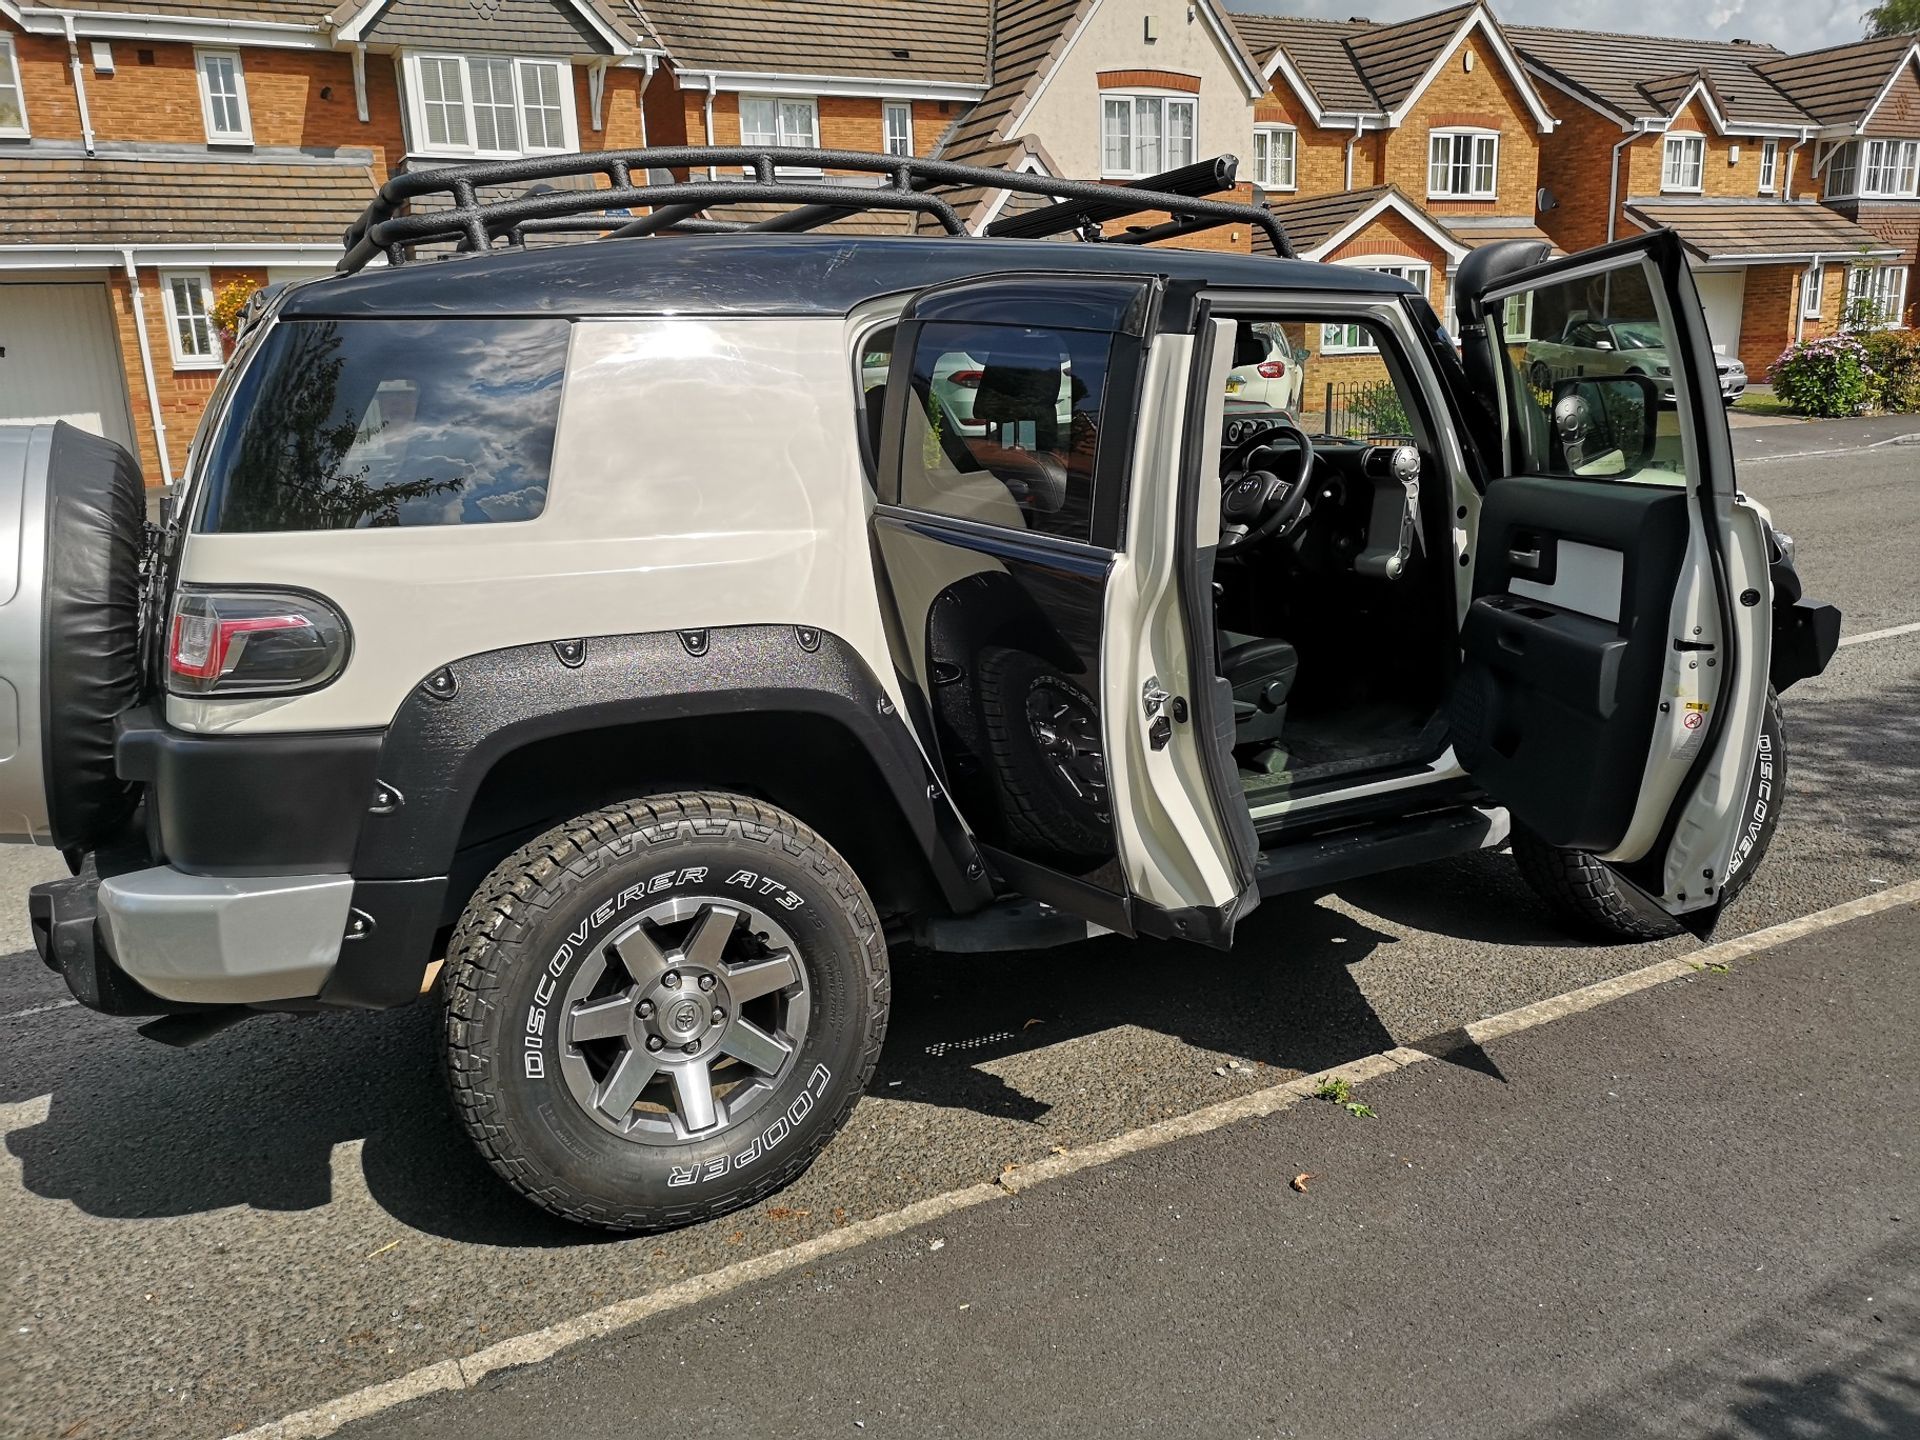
x=390, y=225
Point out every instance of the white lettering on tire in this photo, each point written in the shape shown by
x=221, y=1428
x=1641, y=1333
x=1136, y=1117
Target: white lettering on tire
x=768, y=1139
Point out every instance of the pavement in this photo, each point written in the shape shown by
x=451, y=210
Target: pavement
x=1695, y=1211
x=205, y=1240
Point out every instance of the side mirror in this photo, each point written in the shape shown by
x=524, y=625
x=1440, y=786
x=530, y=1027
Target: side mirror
x=1605, y=425
x=1303, y=354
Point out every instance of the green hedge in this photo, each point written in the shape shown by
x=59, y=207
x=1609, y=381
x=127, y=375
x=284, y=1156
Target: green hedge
x=1894, y=356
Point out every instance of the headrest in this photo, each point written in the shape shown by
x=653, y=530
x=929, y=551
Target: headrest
x=1249, y=347
x=1021, y=377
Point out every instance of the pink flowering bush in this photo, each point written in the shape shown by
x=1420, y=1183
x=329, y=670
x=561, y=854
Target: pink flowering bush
x=1827, y=377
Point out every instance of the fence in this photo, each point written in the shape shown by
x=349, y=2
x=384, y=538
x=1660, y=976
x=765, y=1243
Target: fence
x=1360, y=410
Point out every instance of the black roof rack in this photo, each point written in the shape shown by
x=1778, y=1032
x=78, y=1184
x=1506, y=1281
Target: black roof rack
x=392, y=224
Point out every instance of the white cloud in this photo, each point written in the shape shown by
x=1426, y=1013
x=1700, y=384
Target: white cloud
x=1790, y=24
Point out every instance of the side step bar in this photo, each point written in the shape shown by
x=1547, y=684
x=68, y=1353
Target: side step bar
x=1346, y=854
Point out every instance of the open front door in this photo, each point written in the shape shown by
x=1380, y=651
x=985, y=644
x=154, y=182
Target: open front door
x=1032, y=504
x=1615, y=643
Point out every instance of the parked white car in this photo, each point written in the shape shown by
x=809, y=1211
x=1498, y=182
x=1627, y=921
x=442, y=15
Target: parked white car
x=1624, y=347
x=1268, y=369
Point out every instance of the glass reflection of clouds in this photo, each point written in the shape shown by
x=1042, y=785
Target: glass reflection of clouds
x=344, y=424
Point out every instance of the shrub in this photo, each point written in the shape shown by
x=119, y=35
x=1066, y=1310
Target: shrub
x=1826, y=377
x=1895, y=358
x=228, y=302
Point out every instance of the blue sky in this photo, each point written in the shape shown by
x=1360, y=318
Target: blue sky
x=1790, y=24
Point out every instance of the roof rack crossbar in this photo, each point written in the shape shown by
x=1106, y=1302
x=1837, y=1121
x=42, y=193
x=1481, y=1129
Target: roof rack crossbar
x=1204, y=177
x=389, y=226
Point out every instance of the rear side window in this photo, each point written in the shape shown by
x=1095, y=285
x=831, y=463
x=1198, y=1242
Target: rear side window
x=348, y=424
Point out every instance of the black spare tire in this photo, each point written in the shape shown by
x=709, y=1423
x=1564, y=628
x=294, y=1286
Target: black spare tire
x=90, y=653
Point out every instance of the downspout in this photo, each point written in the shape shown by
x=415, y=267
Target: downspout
x=79, y=83
x=713, y=84
x=1613, y=184
x=360, y=81
x=146, y=362
x=596, y=95
x=1357, y=124
x=641, y=98
x=1793, y=154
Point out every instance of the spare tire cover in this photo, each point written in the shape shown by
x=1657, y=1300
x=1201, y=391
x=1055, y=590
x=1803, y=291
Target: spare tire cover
x=96, y=512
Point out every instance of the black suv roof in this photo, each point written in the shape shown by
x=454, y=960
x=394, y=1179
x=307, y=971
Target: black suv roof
x=771, y=274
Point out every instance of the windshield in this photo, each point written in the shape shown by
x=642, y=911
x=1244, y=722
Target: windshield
x=1641, y=335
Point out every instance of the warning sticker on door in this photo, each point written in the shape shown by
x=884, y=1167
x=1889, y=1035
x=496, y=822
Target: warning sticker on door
x=1693, y=722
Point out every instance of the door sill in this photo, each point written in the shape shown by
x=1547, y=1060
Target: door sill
x=1328, y=857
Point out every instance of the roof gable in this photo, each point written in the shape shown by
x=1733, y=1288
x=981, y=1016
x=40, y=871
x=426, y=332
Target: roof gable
x=549, y=27
x=1318, y=226
x=1842, y=85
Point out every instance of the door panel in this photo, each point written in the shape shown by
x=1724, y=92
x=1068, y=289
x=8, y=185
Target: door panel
x=1612, y=687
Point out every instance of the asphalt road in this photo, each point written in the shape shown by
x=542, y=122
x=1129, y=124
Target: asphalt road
x=1690, y=1213
x=207, y=1239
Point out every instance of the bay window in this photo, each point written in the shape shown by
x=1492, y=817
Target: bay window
x=1144, y=134
x=1843, y=171
x=1879, y=289
x=1276, y=157
x=493, y=105
x=1357, y=338
x=1875, y=169
x=1684, y=164
x=1463, y=165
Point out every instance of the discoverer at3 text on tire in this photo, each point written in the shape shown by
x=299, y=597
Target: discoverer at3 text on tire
x=662, y=1011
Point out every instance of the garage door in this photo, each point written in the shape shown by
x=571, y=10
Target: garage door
x=1723, y=293
x=60, y=358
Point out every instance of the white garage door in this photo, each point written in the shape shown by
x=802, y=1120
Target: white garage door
x=60, y=358
x=1723, y=293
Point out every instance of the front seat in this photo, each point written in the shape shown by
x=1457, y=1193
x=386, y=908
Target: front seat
x=1261, y=672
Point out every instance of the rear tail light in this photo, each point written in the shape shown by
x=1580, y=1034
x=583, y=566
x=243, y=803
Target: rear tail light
x=253, y=642
x=967, y=379
x=1274, y=369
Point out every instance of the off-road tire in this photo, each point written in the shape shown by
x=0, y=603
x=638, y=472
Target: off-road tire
x=1586, y=892
x=551, y=903
x=1032, y=803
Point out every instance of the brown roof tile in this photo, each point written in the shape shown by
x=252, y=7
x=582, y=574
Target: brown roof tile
x=1310, y=223
x=1756, y=229
x=282, y=12
x=943, y=40
x=1837, y=86
x=74, y=200
x=1394, y=57
x=1640, y=76
x=1318, y=50
x=1028, y=35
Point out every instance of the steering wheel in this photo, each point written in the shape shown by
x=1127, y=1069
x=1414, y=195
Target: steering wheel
x=1256, y=505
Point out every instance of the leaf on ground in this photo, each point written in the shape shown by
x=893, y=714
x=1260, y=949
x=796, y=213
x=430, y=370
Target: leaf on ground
x=1031, y=1023
x=1365, y=1112
x=736, y=1237
x=786, y=1212
x=1299, y=1182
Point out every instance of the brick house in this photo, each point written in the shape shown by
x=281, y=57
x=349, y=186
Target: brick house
x=153, y=150
x=1699, y=136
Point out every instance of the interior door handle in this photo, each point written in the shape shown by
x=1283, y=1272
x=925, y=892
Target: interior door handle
x=1524, y=559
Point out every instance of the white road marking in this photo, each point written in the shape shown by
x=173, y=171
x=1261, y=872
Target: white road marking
x=542, y=1344
x=1873, y=635
x=1837, y=450
x=39, y=1009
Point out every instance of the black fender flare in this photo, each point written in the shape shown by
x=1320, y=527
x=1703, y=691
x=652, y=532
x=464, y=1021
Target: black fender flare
x=458, y=722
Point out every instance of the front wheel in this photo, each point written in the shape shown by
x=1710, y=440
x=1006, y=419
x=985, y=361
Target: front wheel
x=662, y=1011
x=1587, y=892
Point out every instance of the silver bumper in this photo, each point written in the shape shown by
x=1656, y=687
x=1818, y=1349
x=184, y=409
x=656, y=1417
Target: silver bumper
x=225, y=940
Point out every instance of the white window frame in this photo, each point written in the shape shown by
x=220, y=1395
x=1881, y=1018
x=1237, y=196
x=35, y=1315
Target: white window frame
x=216, y=136
x=1813, y=290
x=1263, y=157
x=421, y=141
x=1897, y=160
x=183, y=359
x=1404, y=267
x=1475, y=139
x=900, y=110
x=1683, y=142
x=1888, y=284
x=10, y=79
x=1769, y=166
x=782, y=138
x=1163, y=103
x=1843, y=180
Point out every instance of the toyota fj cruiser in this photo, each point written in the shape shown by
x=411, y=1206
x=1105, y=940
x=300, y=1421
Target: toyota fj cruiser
x=492, y=638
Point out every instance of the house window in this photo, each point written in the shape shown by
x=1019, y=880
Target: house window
x=1355, y=338
x=899, y=118
x=1686, y=163
x=1881, y=287
x=1843, y=171
x=188, y=296
x=223, y=97
x=773, y=122
x=489, y=105
x=1144, y=134
x=1813, y=289
x=1462, y=165
x=1276, y=157
x=13, y=100
x=1769, y=165
x=1890, y=168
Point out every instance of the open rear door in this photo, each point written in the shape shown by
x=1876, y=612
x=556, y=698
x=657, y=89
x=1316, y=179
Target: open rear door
x=1616, y=639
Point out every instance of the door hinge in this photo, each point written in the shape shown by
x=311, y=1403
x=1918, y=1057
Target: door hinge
x=1164, y=711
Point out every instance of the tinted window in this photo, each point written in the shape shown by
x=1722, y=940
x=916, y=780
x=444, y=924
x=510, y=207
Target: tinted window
x=344, y=424
x=1004, y=425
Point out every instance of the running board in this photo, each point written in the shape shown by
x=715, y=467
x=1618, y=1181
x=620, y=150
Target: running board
x=1333, y=856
